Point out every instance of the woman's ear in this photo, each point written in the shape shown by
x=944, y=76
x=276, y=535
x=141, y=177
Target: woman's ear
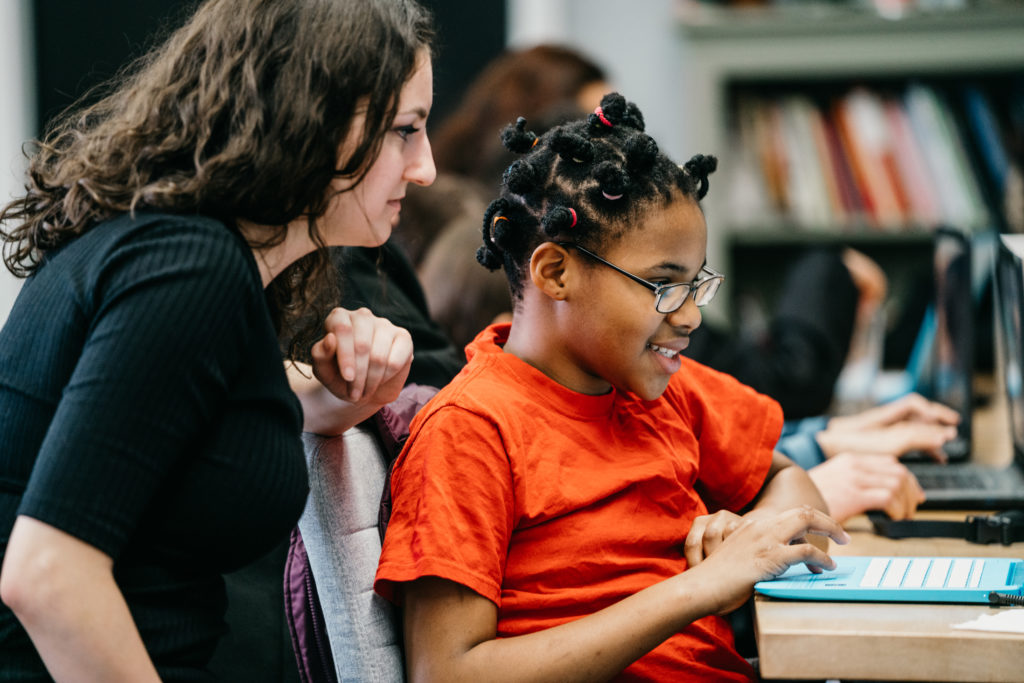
x=549, y=270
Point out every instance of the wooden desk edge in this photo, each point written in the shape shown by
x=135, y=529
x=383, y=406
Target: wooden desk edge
x=820, y=646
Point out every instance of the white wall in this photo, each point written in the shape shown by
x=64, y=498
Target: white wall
x=637, y=43
x=17, y=114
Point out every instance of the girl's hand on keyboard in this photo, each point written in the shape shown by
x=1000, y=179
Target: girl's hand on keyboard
x=758, y=548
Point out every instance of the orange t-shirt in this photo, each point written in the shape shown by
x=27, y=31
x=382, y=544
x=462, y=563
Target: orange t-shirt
x=555, y=504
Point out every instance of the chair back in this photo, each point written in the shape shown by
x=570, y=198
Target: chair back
x=341, y=629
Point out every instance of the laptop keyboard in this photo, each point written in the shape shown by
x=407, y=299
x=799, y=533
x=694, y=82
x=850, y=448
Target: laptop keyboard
x=953, y=478
x=923, y=572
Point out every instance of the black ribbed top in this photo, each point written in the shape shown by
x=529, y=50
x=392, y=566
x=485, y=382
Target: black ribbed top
x=144, y=409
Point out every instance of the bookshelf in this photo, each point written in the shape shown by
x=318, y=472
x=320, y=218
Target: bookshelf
x=819, y=53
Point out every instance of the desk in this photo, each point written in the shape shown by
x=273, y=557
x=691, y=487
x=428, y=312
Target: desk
x=894, y=642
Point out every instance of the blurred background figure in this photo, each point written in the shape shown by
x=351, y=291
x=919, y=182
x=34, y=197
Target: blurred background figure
x=539, y=83
x=546, y=84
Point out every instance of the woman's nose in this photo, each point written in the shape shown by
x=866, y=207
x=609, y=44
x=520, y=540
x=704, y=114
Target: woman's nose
x=421, y=169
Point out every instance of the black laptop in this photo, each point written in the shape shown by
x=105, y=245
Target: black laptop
x=947, y=368
x=942, y=364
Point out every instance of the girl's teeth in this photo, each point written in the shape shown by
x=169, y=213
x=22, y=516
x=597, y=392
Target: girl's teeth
x=668, y=353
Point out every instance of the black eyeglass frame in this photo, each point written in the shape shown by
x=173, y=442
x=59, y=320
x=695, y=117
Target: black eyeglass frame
x=661, y=290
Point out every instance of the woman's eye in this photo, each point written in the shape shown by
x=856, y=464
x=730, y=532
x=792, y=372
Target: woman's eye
x=405, y=131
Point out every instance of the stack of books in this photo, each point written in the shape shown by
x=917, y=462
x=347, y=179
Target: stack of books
x=864, y=159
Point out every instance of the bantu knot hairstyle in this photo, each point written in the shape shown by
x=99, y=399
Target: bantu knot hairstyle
x=571, y=147
x=612, y=179
x=559, y=220
x=520, y=177
x=507, y=228
x=698, y=168
x=517, y=139
x=616, y=111
x=587, y=181
x=641, y=152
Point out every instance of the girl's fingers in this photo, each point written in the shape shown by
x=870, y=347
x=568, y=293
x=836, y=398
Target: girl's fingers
x=794, y=524
x=693, y=546
x=811, y=556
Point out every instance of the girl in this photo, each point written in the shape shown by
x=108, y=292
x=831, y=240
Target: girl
x=150, y=438
x=582, y=502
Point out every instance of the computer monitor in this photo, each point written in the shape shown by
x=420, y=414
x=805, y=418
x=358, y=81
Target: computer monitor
x=1009, y=310
x=945, y=353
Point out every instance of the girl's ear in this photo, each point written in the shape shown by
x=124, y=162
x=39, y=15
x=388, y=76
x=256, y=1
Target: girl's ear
x=549, y=270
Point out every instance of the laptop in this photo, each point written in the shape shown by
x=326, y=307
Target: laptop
x=986, y=580
x=942, y=362
x=945, y=375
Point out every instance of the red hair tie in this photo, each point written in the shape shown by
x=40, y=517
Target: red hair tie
x=601, y=117
x=572, y=212
x=535, y=141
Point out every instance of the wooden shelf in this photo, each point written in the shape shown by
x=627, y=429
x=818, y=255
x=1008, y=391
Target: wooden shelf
x=705, y=21
x=755, y=237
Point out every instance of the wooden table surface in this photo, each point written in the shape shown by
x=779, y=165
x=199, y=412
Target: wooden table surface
x=896, y=642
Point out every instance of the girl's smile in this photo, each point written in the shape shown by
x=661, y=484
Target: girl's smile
x=670, y=352
x=605, y=330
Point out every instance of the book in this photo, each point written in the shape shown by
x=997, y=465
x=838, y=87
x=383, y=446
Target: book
x=864, y=130
x=932, y=124
x=854, y=207
x=987, y=136
x=748, y=203
x=771, y=152
x=840, y=209
x=805, y=186
x=914, y=171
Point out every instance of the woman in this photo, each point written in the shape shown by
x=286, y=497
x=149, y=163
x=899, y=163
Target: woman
x=151, y=441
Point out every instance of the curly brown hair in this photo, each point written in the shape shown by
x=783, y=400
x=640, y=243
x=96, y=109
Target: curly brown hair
x=238, y=115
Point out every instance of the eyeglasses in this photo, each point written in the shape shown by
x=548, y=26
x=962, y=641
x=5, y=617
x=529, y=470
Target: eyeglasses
x=668, y=298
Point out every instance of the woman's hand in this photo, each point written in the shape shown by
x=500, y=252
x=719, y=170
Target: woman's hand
x=854, y=483
x=758, y=547
x=361, y=364
x=362, y=358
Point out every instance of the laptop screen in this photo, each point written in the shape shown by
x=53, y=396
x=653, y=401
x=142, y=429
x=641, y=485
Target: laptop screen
x=1009, y=310
x=945, y=372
